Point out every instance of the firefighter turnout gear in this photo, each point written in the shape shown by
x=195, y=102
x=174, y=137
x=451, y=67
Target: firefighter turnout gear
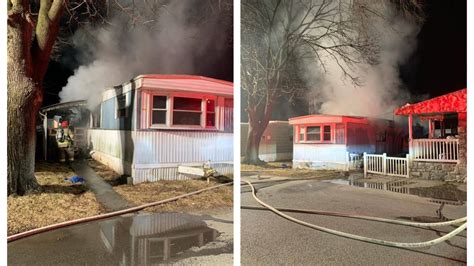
x=64, y=140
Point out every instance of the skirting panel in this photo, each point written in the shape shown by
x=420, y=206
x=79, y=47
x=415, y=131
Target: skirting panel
x=320, y=165
x=116, y=164
x=154, y=174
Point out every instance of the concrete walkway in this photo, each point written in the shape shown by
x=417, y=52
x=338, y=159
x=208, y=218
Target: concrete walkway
x=105, y=194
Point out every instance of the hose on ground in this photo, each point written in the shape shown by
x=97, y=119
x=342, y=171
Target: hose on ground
x=362, y=217
x=108, y=215
x=362, y=238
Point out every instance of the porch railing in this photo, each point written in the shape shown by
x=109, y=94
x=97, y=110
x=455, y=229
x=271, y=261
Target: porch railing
x=383, y=165
x=435, y=150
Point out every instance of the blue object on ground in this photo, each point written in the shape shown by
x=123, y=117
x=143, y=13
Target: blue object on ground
x=76, y=179
x=284, y=165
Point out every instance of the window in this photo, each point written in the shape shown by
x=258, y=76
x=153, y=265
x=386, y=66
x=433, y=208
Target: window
x=121, y=106
x=180, y=111
x=381, y=136
x=302, y=131
x=316, y=133
x=327, y=133
x=210, y=113
x=187, y=111
x=159, y=110
x=313, y=133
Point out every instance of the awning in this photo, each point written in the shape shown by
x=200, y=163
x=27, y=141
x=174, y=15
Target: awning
x=63, y=105
x=454, y=102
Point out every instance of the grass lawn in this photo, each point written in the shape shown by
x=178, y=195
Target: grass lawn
x=156, y=191
x=56, y=201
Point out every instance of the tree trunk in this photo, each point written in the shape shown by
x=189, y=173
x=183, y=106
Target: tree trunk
x=259, y=117
x=255, y=133
x=24, y=99
x=253, y=145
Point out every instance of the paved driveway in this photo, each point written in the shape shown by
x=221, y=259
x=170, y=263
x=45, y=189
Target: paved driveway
x=268, y=239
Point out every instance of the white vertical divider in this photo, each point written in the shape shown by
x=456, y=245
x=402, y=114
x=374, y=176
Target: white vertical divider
x=237, y=119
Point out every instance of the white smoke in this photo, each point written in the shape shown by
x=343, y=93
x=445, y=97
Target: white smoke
x=175, y=44
x=382, y=90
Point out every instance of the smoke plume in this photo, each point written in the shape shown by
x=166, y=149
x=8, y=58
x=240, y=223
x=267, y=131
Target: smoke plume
x=382, y=90
x=182, y=38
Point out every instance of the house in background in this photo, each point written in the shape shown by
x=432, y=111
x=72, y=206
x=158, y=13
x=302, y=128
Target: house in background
x=155, y=123
x=441, y=153
x=276, y=143
x=338, y=141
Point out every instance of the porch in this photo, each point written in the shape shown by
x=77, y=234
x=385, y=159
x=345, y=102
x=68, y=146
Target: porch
x=437, y=128
x=437, y=141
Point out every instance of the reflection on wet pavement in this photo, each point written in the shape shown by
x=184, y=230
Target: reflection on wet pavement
x=446, y=193
x=140, y=239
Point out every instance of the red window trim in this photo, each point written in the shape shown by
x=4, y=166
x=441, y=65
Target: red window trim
x=170, y=110
x=321, y=132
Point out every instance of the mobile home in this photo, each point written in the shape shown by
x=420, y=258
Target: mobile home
x=276, y=143
x=155, y=123
x=338, y=141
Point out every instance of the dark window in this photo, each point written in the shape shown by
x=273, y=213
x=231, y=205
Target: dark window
x=187, y=104
x=186, y=118
x=327, y=133
x=159, y=110
x=187, y=111
x=156, y=250
x=159, y=117
x=313, y=133
x=381, y=136
x=121, y=106
x=159, y=102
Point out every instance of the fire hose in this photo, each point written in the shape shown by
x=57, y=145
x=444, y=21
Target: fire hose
x=362, y=238
x=107, y=215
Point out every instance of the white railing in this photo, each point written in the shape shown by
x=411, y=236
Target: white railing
x=354, y=160
x=383, y=165
x=397, y=166
x=435, y=150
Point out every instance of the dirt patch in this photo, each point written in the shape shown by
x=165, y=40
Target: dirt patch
x=56, y=201
x=109, y=175
x=265, y=166
x=150, y=192
x=276, y=169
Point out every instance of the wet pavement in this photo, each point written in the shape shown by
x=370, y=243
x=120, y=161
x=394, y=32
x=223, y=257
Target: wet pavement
x=135, y=239
x=268, y=239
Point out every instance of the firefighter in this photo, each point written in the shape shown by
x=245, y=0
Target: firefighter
x=64, y=138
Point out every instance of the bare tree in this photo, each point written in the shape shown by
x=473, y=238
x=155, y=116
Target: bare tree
x=275, y=34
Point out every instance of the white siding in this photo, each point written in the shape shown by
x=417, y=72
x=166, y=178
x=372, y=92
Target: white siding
x=321, y=156
x=155, y=155
x=152, y=147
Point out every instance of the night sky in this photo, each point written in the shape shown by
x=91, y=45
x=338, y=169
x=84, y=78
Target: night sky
x=439, y=64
